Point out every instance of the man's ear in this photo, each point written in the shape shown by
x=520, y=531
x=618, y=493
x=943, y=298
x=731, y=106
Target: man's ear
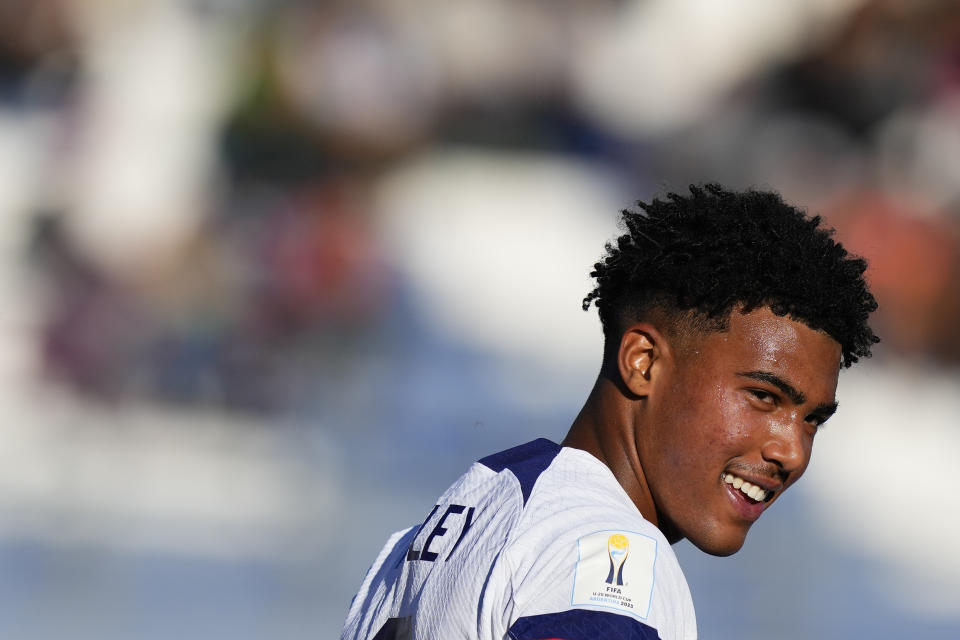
x=642, y=349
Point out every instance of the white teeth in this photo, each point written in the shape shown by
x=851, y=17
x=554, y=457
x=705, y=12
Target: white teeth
x=751, y=490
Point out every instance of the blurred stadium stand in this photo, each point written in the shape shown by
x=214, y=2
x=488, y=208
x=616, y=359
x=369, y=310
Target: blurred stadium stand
x=275, y=272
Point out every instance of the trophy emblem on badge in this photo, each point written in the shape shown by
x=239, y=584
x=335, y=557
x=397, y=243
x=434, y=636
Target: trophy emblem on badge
x=618, y=547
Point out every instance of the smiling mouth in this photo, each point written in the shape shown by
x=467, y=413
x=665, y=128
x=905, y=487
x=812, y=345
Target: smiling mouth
x=750, y=491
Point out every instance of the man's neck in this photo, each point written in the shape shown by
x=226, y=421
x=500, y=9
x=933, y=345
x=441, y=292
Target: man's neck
x=605, y=428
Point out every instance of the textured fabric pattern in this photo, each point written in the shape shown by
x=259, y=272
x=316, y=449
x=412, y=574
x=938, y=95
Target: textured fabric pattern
x=579, y=624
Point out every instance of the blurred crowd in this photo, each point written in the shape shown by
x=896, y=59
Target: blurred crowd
x=215, y=235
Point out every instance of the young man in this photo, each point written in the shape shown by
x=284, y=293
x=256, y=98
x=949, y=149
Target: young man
x=727, y=317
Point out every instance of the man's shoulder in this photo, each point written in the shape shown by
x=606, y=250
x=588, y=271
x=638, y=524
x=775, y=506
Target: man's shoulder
x=541, y=489
x=550, y=481
x=535, y=495
x=578, y=494
x=525, y=463
x=503, y=480
x=582, y=548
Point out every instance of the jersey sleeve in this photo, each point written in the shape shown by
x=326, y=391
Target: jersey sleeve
x=577, y=583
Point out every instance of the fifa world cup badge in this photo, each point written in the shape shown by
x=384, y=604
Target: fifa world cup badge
x=615, y=570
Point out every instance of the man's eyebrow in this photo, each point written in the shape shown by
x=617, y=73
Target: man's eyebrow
x=795, y=396
x=824, y=411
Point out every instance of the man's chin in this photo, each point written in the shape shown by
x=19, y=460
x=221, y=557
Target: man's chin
x=719, y=545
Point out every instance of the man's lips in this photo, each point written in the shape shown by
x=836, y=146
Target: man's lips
x=749, y=495
x=757, y=489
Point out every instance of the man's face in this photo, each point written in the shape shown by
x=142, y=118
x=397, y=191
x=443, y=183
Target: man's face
x=733, y=407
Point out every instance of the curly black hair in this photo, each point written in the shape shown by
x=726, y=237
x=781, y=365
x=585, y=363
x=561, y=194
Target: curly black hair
x=716, y=250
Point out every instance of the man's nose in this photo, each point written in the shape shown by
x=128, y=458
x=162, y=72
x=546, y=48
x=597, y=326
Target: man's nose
x=788, y=446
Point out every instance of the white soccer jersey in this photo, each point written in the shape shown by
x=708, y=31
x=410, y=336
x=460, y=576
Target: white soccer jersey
x=539, y=541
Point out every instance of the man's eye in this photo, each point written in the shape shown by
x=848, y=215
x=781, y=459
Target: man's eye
x=763, y=396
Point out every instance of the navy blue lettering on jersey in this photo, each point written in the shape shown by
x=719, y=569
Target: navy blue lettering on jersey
x=526, y=462
x=581, y=624
x=439, y=531
x=414, y=554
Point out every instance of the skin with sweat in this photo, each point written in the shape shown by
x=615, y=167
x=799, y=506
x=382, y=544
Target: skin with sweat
x=672, y=417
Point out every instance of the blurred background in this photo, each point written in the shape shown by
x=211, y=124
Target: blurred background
x=274, y=273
